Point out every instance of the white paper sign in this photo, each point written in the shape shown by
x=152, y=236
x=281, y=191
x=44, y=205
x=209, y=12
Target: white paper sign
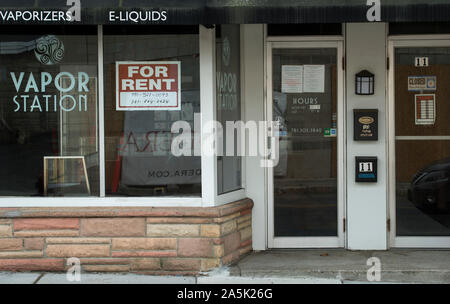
x=425, y=109
x=292, y=79
x=421, y=83
x=314, y=79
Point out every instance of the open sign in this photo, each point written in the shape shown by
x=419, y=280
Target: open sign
x=148, y=85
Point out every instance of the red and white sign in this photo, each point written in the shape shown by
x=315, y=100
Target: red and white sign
x=148, y=85
x=425, y=109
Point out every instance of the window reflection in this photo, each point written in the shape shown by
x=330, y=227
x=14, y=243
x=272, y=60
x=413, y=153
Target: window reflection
x=48, y=111
x=139, y=161
x=422, y=145
x=305, y=179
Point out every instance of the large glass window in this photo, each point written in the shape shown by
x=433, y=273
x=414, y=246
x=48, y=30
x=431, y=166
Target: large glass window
x=48, y=111
x=228, y=102
x=422, y=141
x=139, y=160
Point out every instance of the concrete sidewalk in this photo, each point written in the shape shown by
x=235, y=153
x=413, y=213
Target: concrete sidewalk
x=326, y=266
x=397, y=265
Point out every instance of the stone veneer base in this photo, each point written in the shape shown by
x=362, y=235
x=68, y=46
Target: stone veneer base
x=152, y=240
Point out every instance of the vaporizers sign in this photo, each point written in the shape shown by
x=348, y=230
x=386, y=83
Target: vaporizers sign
x=148, y=86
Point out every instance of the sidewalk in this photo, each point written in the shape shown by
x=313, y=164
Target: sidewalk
x=327, y=266
x=397, y=265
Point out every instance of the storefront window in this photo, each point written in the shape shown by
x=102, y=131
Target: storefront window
x=48, y=111
x=422, y=141
x=152, y=79
x=228, y=101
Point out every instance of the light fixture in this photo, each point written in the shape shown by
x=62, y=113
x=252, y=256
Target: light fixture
x=364, y=83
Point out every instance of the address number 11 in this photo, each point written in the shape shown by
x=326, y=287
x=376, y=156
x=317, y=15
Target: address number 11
x=421, y=62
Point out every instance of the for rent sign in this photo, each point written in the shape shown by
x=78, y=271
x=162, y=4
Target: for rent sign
x=147, y=86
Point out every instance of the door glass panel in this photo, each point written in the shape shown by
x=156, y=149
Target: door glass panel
x=422, y=145
x=305, y=179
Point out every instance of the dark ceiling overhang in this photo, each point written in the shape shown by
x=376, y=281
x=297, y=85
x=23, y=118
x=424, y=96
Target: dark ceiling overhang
x=232, y=11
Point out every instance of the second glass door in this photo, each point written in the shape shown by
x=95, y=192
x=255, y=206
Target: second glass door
x=420, y=143
x=305, y=200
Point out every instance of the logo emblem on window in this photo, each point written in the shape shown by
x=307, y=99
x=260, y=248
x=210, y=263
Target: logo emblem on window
x=49, y=50
x=226, y=51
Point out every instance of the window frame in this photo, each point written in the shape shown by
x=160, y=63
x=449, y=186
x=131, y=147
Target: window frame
x=209, y=196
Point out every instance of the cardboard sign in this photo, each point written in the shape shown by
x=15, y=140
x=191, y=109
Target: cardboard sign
x=425, y=109
x=148, y=86
x=422, y=83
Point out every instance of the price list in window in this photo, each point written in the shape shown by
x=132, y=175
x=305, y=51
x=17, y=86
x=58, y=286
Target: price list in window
x=425, y=109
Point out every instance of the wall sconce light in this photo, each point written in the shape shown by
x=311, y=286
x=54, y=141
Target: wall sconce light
x=364, y=83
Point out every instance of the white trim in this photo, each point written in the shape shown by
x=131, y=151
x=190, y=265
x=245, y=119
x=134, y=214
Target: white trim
x=419, y=43
x=269, y=171
x=390, y=142
x=208, y=110
x=303, y=38
x=399, y=42
x=207, y=93
x=422, y=137
x=267, y=184
x=390, y=127
x=101, y=114
x=422, y=242
x=311, y=242
x=73, y=202
x=343, y=125
x=341, y=145
x=238, y=194
x=413, y=38
x=230, y=197
x=307, y=242
x=243, y=112
x=307, y=44
x=63, y=157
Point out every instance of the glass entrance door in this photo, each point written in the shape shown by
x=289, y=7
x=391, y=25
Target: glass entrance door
x=421, y=143
x=305, y=100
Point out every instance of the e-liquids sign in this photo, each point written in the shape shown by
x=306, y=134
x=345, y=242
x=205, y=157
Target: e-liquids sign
x=137, y=16
x=151, y=85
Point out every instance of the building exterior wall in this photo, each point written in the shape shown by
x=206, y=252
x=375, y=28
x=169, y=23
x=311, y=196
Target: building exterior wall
x=153, y=240
x=366, y=203
x=254, y=64
x=189, y=240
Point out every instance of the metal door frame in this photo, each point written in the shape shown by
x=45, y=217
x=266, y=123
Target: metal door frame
x=399, y=42
x=310, y=242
